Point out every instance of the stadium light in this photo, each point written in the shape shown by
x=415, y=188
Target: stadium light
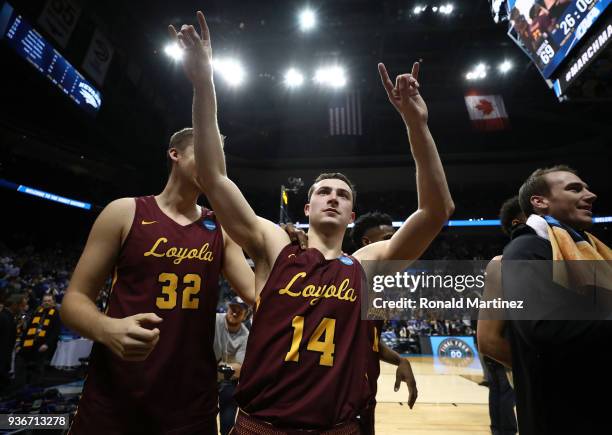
x=307, y=19
x=447, y=9
x=230, y=70
x=435, y=9
x=293, y=78
x=479, y=72
x=331, y=76
x=418, y=9
x=505, y=66
x=174, y=51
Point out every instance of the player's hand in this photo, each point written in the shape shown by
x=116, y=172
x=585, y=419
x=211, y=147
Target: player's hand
x=43, y=348
x=128, y=339
x=404, y=95
x=296, y=235
x=197, y=50
x=404, y=374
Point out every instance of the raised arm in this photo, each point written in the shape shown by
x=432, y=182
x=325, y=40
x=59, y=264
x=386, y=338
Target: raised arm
x=126, y=337
x=435, y=204
x=237, y=271
x=261, y=239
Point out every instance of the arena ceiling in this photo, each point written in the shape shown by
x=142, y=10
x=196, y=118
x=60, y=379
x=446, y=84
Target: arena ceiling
x=268, y=126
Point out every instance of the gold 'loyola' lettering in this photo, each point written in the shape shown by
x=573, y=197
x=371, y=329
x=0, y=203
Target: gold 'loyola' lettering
x=179, y=254
x=343, y=292
x=286, y=289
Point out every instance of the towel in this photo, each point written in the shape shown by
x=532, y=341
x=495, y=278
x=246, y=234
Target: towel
x=569, y=245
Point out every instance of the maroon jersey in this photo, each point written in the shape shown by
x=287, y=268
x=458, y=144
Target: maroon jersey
x=173, y=271
x=306, y=358
x=366, y=415
x=373, y=371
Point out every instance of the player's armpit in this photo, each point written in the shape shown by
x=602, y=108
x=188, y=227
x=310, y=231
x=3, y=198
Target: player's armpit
x=237, y=271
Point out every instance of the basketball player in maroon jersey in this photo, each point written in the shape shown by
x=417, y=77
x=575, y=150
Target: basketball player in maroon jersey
x=306, y=358
x=371, y=228
x=153, y=368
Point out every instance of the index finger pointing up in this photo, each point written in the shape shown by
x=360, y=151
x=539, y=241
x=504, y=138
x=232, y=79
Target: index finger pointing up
x=384, y=77
x=172, y=32
x=204, y=33
x=415, y=70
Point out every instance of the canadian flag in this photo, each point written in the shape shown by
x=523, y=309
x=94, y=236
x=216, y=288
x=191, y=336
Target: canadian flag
x=487, y=112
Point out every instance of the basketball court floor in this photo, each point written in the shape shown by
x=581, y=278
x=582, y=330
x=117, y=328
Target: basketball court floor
x=450, y=401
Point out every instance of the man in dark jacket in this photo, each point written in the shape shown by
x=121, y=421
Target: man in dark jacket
x=561, y=355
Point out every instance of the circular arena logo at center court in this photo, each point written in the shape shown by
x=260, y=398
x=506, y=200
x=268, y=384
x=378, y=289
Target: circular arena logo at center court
x=455, y=352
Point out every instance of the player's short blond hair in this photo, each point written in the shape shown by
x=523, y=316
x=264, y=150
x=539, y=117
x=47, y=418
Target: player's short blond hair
x=181, y=139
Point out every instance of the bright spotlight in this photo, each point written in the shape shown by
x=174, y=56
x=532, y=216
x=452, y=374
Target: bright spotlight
x=447, y=9
x=331, y=76
x=418, y=9
x=308, y=20
x=174, y=51
x=505, y=66
x=230, y=70
x=479, y=72
x=435, y=9
x=293, y=78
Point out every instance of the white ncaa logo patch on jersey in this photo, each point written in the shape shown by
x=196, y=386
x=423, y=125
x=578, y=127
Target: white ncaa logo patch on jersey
x=346, y=260
x=209, y=225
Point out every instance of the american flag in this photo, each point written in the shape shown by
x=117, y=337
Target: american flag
x=345, y=115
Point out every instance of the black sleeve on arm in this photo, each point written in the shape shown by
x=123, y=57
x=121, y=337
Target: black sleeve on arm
x=527, y=275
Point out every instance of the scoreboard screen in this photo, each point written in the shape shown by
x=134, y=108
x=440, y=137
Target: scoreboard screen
x=548, y=30
x=35, y=49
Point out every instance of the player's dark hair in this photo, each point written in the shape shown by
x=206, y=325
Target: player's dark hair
x=337, y=176
x=510, y=210
x=536, y=184
x=367, y=221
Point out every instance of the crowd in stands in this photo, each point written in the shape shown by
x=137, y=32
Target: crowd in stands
x=32, y=270
x=35, y=271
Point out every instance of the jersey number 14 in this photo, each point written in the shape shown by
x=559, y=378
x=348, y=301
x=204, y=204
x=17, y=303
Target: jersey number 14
x=324, y=346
